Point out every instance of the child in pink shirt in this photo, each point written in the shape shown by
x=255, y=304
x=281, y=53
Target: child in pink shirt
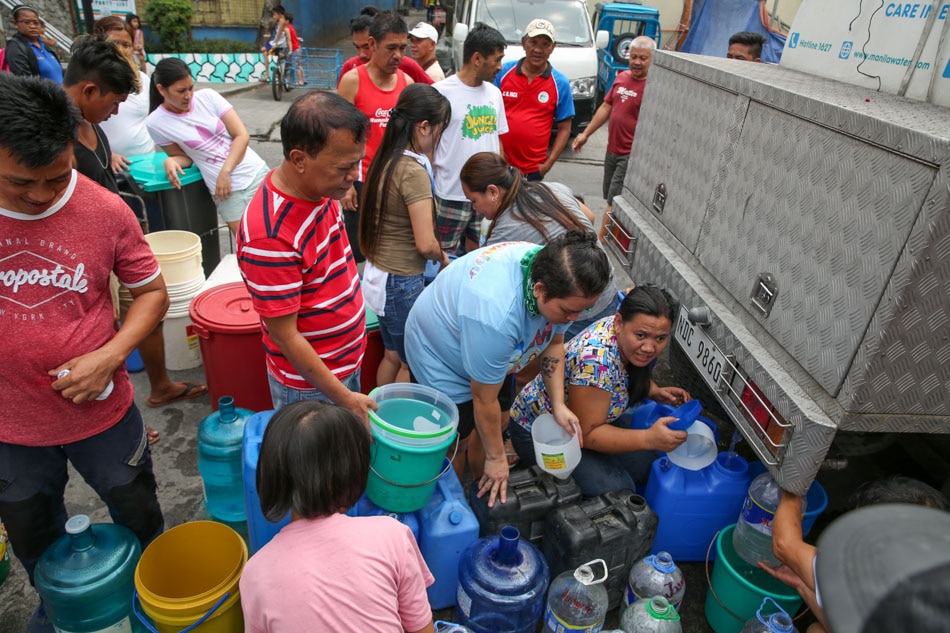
x=325, y=571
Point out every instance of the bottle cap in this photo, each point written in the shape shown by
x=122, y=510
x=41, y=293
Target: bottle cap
x=78, y=524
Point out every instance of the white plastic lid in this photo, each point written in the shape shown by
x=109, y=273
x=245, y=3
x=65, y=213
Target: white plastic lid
x=78, y=524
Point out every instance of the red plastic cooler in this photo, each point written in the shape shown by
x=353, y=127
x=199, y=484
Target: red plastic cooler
x=229, y=334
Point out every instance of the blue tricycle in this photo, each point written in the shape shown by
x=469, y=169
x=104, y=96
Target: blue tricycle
x=616, y=24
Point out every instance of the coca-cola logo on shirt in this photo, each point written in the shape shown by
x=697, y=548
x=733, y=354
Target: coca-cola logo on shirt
x=30, y=280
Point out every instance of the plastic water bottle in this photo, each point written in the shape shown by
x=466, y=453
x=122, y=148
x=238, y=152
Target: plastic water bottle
x=752, y=537
x=502, y=582
x=86, y=577
x=655, y=576
x=450, y=627
x=770, y=619
x=220, y=436
x=577, y=601
x=655, y=615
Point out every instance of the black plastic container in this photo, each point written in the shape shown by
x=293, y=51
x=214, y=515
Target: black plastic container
x=617, y=526
x=532, y=496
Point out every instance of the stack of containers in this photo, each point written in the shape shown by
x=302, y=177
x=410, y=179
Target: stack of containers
x=179, y=255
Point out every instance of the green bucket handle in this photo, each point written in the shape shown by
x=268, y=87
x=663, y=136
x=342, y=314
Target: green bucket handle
x=716, y=596
x=148, y=625
x=424, y=483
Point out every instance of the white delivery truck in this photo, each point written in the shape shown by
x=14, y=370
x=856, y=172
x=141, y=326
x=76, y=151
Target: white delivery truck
x=803, y=223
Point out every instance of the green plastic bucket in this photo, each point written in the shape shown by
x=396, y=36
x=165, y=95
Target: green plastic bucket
x=412, y=431
x=737, y=589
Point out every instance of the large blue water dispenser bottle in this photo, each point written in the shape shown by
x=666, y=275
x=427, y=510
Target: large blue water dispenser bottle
x=502, y=583
x=86, y=578
x=220, y=436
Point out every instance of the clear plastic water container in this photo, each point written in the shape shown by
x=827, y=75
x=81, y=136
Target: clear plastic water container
x=655, y=615
x=577, y=601
x=655, y=575
x=770, y=618
x=752, y=537
x=220, y=436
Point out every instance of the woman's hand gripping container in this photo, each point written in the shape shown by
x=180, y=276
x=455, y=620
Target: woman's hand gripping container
x=412, y=430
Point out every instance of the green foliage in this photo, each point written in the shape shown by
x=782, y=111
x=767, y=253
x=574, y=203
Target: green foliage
x=210, y=45
x=170, y=22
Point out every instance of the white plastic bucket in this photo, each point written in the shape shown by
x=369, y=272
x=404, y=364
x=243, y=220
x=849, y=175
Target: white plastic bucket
x=178, y=253
x=556, y=451
x=182, y=348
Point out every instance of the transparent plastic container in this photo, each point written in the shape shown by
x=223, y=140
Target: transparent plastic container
x=655, y=576
x=655, y=615
x=220, y=436
x=752, y=537
x=577, y=601
x=770, y=618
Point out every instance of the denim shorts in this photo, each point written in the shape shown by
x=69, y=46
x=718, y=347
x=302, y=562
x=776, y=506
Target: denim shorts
x=282, y=394
x=401, y=292
x=232, y=209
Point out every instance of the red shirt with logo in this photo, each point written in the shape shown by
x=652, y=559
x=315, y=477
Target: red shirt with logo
x=532, y=109
x=295, y=258
x=375, y=104
x=625, y=97
x=55, y=305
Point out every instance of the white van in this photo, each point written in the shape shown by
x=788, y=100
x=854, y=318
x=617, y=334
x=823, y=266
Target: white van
x=575, y=54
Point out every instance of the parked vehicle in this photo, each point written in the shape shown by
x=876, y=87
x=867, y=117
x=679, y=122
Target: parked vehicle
x=574, y=55
x=622, y=22
x=802, y=224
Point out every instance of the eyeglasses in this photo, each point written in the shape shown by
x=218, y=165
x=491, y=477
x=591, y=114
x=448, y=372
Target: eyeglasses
x=29, y=22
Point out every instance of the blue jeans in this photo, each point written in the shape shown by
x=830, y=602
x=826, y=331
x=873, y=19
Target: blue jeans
x=401, y=292
x=116, y=463
x=282, y=394
x=596, y=473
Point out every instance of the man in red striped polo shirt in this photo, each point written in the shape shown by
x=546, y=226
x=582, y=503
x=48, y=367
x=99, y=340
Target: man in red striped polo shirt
x=297, y=262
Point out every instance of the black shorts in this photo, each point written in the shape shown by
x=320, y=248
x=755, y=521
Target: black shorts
x=467, y=409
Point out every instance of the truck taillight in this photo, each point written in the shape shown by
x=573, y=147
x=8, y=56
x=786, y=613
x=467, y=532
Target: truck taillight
x=759, y=410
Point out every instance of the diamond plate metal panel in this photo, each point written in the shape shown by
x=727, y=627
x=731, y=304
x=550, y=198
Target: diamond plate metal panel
x=660, y=259
x=685, y=158
x=827, y=216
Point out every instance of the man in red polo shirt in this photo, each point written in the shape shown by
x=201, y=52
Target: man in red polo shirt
x=537, y=96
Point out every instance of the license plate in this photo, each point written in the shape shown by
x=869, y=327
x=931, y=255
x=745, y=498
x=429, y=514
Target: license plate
x=701, y=350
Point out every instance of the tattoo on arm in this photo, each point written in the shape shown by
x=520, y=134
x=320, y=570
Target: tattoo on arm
x=548, y=365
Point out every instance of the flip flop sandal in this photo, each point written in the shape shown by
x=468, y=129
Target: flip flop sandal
x=153, y=435
x=191, y=390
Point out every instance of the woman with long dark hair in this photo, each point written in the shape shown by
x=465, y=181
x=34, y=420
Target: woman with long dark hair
x=522, y=211
x=202, y=128
x=397, y=225
x=608, y=368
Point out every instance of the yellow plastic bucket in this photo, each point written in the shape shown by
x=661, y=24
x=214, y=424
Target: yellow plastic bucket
x=187, y=579
x=179, y=255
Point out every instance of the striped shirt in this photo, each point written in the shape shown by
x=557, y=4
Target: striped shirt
x=295, y=258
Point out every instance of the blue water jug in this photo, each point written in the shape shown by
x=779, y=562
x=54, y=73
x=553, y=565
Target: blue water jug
x=259, y=529
x=693, y=505
x=447, y=526
x=502, y=582
x=86, y=578
x=219, y=460
x=366, y=508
